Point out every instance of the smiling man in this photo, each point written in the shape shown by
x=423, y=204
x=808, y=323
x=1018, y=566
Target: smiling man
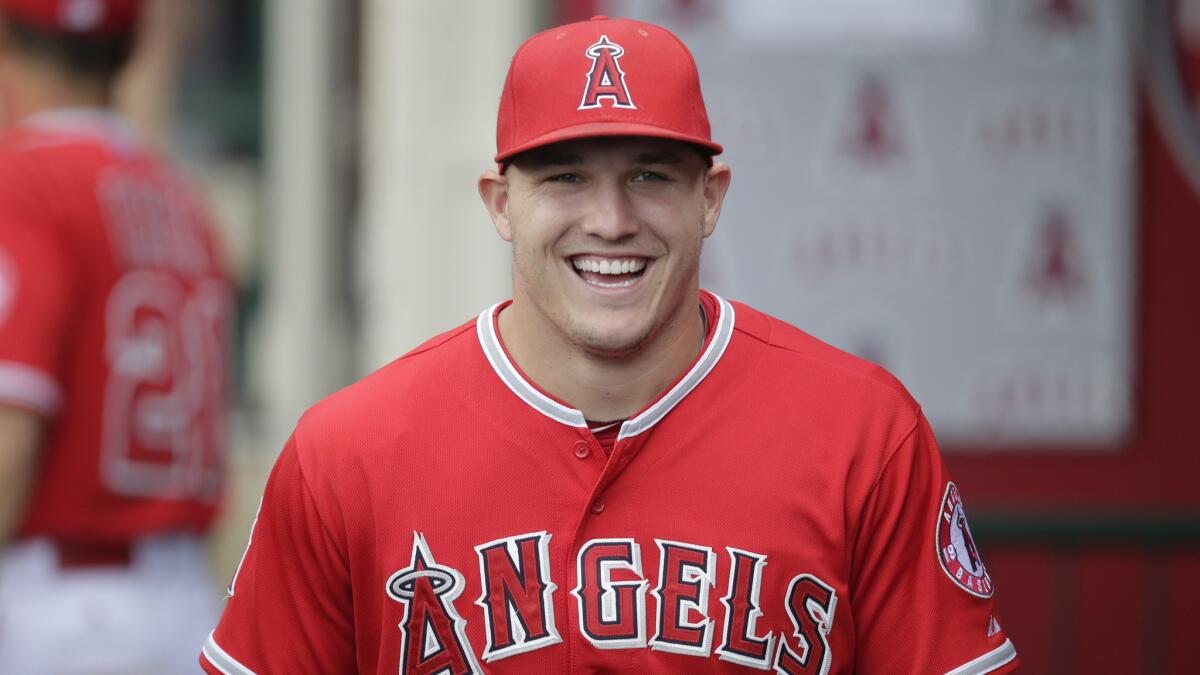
x=615, y=471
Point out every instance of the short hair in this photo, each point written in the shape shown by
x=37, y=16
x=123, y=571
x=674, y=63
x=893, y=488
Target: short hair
x=705, y=155
x=91, y=56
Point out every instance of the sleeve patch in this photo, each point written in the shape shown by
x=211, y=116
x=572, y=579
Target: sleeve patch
x=956, y=549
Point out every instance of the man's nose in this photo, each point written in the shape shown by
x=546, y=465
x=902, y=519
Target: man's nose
x=610, y=213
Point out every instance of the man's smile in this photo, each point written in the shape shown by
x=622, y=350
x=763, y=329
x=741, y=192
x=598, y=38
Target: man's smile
x=609, y=272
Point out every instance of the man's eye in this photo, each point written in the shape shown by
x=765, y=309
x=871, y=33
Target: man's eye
x=565, y=178
x=647, y=176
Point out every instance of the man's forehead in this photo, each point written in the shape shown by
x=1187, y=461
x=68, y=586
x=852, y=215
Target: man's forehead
x=629, y=148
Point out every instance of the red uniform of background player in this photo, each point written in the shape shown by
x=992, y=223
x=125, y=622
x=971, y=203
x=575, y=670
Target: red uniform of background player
x=767, y=502
x=114, y=318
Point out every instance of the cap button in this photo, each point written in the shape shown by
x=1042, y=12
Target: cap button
x=599, y=17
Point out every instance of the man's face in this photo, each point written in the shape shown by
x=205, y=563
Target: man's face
x=606, y=235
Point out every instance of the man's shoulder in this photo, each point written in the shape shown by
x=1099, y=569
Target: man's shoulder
x=15, y=140
x=791, y=352
x=60, y=151
x=20, y=145
x=19, y=153
x=49, y=163
x=429, y=372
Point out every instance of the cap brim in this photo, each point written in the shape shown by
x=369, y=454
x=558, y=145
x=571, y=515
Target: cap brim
x=606, y=129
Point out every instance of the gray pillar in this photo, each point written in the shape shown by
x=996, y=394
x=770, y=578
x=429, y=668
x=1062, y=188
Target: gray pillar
x=427, y=255
x=300, y=347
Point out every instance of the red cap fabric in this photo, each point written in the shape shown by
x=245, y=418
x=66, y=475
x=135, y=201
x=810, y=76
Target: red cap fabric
x=78, y=17
x=603, y=77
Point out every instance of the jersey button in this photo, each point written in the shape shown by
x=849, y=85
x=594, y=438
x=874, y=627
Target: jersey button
x=598, y=507
x=582, y=450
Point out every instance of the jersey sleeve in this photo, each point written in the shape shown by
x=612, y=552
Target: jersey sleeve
x=35, y=306
x=921, y=595
x=289, y=608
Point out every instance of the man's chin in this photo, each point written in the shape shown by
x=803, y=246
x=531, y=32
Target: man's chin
x=609, y=343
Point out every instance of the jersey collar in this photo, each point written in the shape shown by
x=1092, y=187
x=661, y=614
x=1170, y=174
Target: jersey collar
x=108, y=125
x=493, y=349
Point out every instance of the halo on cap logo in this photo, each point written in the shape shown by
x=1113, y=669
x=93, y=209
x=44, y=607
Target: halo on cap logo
x=606, y=80
x=956, y=547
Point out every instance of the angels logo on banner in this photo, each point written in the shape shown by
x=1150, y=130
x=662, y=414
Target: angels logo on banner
x=868, y=138
x=1052, y=263
x=874, y=134
x=1059, y=31
x=1055, y=271
x=1060, y=15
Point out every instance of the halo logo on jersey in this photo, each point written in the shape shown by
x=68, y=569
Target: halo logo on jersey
x=606, y=79
x=956, y=547
x=433, y=639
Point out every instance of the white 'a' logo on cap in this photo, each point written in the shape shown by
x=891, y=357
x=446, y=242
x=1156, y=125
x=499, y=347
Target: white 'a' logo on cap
x=606, y=79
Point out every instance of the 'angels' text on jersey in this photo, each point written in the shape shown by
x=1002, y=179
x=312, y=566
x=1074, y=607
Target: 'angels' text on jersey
x=610, y=598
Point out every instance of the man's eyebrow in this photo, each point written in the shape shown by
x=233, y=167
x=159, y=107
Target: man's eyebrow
x=550, y=158
x=659, y=157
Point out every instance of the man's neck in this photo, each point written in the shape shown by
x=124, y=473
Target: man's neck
x=602, y=387
x=34, y=88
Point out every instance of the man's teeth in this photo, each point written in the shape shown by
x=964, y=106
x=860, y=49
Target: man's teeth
x=606, y=266
x=618, y=284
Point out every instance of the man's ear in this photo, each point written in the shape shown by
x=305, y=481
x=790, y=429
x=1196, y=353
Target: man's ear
x=493, y=189
x=716, y=183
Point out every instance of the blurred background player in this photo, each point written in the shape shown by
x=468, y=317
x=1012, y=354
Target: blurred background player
x=114, y=316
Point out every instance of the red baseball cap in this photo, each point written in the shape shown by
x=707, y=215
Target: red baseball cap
x=78, y=17
x=603, y=77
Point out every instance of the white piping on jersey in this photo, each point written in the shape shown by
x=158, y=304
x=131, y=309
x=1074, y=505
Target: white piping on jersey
x=249, y=538
x=110, y=126
x=221, y=660
x=508, y=373
x=708, y=361
x=988, y=662
x=33, y=387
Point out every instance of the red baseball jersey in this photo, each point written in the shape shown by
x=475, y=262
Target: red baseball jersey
x=782, y=506
x=114, y=319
